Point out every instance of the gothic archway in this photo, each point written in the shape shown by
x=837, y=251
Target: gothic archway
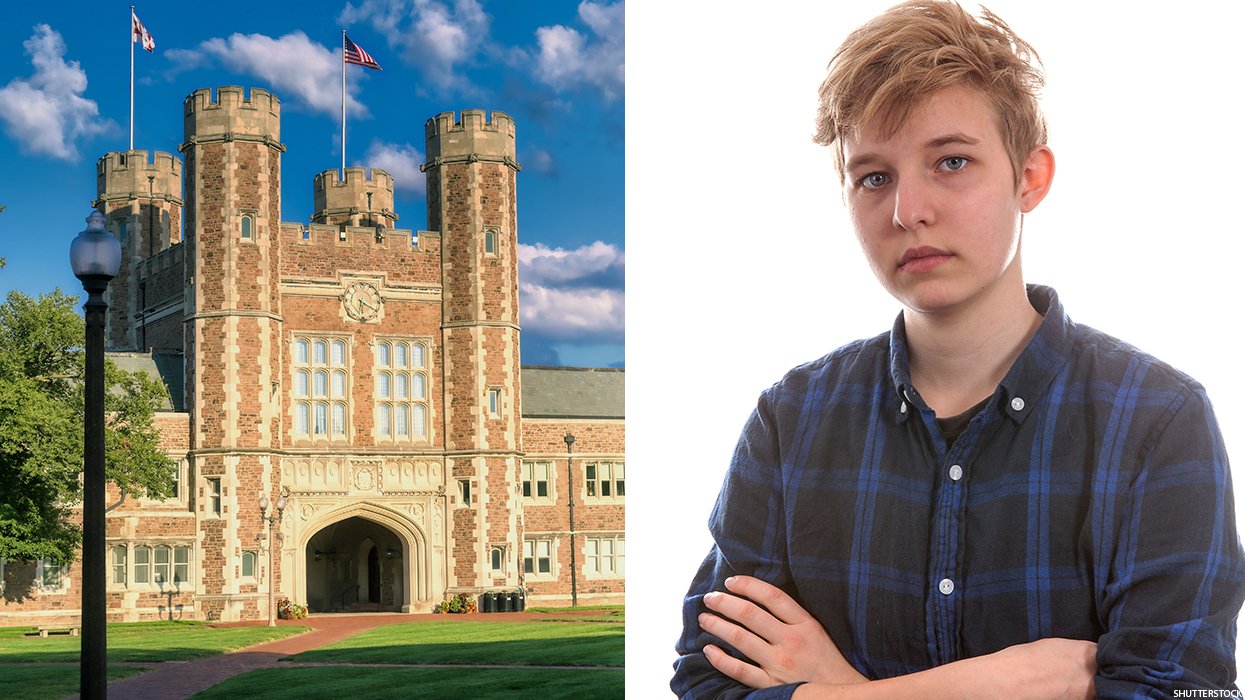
x=334, y=559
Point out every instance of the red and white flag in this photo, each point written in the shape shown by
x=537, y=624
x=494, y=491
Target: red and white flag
x=140, y=34
x=353, y=54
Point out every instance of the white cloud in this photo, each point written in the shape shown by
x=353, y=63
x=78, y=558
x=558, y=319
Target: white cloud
x=433, y=36
x=293, y=65
x=47, y=114
x=402, y=161
x=539, y=160
x=568, y=59
x=572, y=295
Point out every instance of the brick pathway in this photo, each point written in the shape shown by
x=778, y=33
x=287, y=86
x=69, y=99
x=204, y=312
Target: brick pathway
x=177, y=680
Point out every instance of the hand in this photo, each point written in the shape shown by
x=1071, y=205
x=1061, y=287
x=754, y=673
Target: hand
x=788, y=644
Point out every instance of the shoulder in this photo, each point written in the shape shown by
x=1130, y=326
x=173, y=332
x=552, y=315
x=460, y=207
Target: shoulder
x=1101, y=357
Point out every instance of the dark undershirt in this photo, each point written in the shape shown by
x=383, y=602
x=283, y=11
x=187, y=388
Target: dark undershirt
x=953, y=426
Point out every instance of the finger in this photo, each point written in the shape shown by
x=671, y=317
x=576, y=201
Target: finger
x=779, y=604
x=748, y=643
x=736, y=669
x=744, y=613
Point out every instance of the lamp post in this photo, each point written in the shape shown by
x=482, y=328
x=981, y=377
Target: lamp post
x=570, y=502
x=95, y=256
x=272, y=521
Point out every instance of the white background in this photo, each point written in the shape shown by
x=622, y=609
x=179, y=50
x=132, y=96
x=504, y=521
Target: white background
x=741, y=262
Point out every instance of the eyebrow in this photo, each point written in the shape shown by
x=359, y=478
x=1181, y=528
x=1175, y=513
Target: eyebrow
x=955, y=138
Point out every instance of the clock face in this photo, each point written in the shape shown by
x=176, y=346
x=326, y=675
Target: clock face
x=362, y=301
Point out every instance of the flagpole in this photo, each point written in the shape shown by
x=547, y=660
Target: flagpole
x=131, y=77
x=343, y=176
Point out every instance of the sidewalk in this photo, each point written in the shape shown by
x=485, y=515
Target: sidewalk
x=177, y=680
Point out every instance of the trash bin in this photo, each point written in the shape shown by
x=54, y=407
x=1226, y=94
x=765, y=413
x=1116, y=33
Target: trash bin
x=517, y=602
x=503, y=603
x=488, y=602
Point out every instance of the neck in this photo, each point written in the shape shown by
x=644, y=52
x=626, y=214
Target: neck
x=958, y=357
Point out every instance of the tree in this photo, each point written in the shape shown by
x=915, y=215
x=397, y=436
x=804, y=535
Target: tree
x=41, y=408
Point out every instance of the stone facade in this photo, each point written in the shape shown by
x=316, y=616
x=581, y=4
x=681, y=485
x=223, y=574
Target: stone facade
x=366, y=377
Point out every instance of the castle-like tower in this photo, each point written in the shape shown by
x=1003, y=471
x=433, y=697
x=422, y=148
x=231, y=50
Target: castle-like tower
x=143, y=204
x=362, y=199
x=234, y=327
x=471, y=173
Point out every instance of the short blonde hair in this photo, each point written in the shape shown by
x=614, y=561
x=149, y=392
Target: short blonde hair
x=888, y=66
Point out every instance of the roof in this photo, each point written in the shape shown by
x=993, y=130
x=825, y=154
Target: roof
x=572, y=392
x=164, y=368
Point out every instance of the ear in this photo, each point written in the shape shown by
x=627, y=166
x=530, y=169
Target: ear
x=1036, y=178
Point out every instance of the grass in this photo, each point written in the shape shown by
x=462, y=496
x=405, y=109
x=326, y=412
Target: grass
x=137, y=641
x=608, y=613
x=35, y=668
x=560, y=643
x=48, y=681
x=475, y=683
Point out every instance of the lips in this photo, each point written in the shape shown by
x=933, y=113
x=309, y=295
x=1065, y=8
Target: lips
x=923, y=259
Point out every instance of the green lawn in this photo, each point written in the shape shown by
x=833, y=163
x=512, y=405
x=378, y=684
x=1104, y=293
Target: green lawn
x=138, y=641
x=49, y=681
x=469, y=642
x=474, y=683
x=36, y=668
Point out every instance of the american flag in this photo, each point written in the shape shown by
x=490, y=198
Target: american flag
x=358, y=56
x=141, y=34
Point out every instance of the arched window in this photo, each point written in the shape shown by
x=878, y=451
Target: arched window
x=248, y=226
x=490, y=242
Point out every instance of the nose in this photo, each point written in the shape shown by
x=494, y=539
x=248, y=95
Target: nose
x=914, y=206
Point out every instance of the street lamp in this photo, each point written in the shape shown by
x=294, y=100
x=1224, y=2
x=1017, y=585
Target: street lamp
x=570, y=502
x=95, y=256
x=272, y=521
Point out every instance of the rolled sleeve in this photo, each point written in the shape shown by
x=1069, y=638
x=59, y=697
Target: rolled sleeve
x=1178, y=575
x=747, y=524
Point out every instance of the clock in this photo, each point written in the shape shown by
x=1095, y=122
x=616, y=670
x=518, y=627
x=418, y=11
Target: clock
x=362, y=301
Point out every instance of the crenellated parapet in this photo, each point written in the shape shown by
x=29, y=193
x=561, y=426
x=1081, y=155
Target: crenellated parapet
x=471, y=138
x=232, y=114
x=123, y=176
x=364, y=198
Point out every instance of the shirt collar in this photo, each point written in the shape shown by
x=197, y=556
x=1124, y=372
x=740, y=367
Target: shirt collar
x=1029, y=376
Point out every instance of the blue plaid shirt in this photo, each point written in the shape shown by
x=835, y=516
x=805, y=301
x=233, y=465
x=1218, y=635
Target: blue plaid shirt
x=1090, y=499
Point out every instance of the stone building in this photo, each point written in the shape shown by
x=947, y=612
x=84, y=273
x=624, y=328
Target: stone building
x=363, y=376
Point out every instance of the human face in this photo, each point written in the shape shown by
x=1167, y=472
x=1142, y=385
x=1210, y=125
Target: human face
x=937, y=207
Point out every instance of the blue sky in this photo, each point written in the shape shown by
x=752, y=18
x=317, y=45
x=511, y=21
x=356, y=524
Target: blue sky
x=556, y=67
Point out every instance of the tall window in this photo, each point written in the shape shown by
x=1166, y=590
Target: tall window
x=181, y=564
x=603, y=481
x=248, y=564
x=213, y=495
x=401, y=390
x=538, y=558
x=497, y=559
x=118, y=564
x=494, y=402
x=321, y=388
x=142, y=565
x=51, y=575
x=160, y=564
x=248, y=226
x=490, y=241
x=536, y=481
x=604, y=557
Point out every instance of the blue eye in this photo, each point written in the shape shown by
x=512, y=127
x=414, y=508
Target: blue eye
x=953, y=163
x=873, y=181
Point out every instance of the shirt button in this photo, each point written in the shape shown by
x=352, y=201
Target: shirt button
x=956, y=472
x=945, y=586
x=1018, y=404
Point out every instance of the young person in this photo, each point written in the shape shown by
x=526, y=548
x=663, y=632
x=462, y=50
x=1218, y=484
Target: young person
x=982, y=501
